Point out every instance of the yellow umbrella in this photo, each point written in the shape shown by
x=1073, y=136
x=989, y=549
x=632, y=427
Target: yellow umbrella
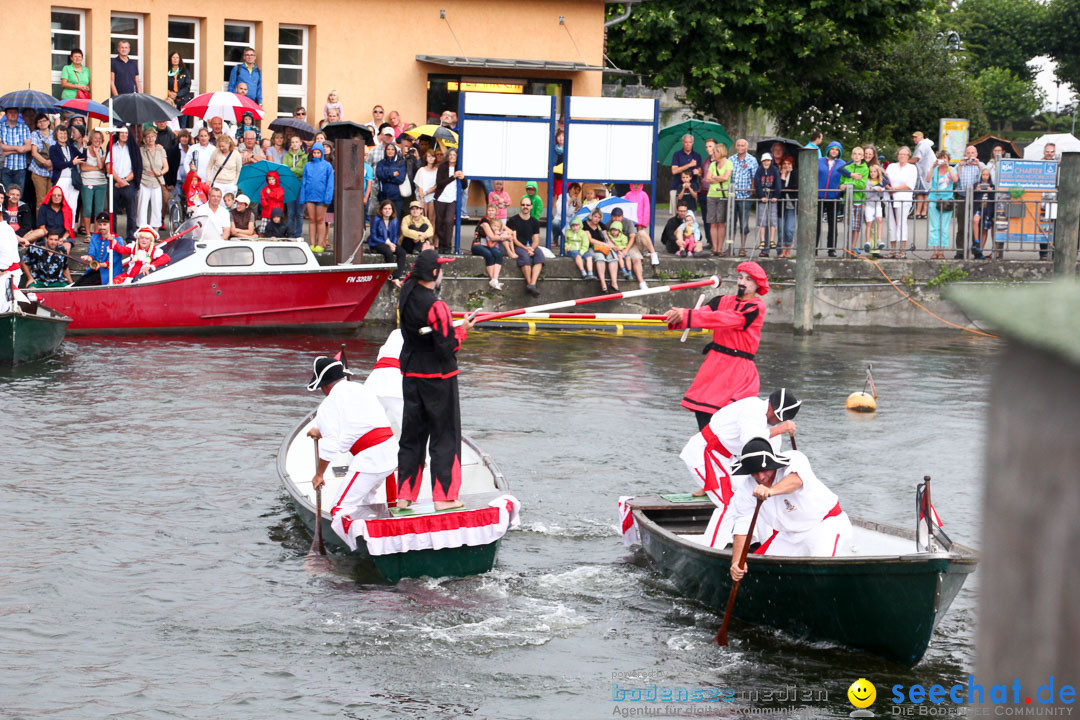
x=444, y=134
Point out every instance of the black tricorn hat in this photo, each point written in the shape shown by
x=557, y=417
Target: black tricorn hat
x=757, y=456
x=784, y=404
x=326, y=371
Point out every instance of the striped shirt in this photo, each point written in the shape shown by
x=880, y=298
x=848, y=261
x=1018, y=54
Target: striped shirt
x=14, y=136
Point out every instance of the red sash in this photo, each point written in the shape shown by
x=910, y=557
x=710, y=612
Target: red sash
x=370, y=439
x=713, y=445
x=832, y=513
x=387, y=362
x=12, y=268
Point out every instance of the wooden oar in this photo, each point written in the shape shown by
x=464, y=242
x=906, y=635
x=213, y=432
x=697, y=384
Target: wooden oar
x=317, y=546
x=713, y=282
x=721, y=634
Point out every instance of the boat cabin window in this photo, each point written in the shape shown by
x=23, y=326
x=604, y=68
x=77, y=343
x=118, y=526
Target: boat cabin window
x=231, y=256
x=287, y=255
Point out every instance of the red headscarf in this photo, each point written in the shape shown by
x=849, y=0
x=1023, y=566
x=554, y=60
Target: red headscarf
x=69, y=216
x=757, y=272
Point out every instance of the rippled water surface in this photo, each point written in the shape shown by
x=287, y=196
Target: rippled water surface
x=151, y=565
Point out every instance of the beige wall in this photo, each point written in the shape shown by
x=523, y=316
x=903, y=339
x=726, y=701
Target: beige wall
x=363, y=48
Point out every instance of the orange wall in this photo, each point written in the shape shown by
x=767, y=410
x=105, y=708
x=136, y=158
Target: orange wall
x=364, y=49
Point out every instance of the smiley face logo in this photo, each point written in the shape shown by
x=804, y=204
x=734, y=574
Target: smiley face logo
x=862, y=693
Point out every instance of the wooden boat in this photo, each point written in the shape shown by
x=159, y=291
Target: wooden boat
x=214, y=285
x=482, y=483
x=31, y=331
x=886, y=599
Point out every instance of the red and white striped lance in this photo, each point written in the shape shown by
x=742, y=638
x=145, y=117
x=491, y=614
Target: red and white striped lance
x=713, y=282
x=580, y=316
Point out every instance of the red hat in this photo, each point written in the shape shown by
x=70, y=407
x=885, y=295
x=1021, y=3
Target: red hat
x=758, y=273
x=149, y=231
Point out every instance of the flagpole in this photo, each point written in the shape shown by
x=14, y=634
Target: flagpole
x=713, y=282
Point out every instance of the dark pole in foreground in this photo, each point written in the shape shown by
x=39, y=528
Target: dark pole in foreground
x=809, y=218
x=317, y=546
x=721, y=634
x=1067, y=226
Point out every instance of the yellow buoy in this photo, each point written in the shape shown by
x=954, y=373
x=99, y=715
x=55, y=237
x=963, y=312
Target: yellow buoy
x=861, y=402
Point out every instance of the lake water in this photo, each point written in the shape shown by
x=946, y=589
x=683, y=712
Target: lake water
x=151, y=565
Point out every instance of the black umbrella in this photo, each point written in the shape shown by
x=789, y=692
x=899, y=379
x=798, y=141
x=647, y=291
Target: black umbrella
x=791, y=147
x=139, y=108
x=298, y=126
x=30, y=100
x=348, y=129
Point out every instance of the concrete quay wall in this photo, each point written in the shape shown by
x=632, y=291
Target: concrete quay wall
x=848, y=293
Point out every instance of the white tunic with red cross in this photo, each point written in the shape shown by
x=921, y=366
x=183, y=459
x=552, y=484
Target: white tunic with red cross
x=806, y=523
x=353, y=422
x=709, y=455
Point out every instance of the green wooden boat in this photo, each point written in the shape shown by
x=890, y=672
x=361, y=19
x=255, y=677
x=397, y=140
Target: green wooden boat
x=31, y=332
x=885, y=600
x=481, y=483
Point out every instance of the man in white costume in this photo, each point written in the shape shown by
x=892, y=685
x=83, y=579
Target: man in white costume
x=799, y=516
x=351, y=420
x=385, y=379
x=709, y=454
x=10, y=267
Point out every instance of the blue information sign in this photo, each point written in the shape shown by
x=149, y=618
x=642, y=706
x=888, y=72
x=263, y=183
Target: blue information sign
x=1028, y=174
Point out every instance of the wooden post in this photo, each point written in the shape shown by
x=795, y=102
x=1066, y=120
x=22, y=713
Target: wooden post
x=348, y=198
x=809, y=218
x=1067, y=225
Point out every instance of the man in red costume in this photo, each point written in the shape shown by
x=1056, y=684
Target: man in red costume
x=728, y=373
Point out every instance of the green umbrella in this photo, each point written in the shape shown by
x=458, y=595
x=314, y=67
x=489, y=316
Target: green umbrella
x=671, y=138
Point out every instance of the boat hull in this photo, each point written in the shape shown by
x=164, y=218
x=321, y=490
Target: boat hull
x=330, y=298
x=888, y=606
x=26, y=338
x=459, y=561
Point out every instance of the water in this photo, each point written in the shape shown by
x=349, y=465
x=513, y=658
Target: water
x=151, y=565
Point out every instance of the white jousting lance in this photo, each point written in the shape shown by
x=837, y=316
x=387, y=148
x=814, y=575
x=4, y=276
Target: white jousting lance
x=686, y=332
x=713, y=282
x=582, y=316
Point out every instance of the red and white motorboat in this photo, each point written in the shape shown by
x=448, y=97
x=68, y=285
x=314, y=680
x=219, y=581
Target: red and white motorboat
x=221, y=284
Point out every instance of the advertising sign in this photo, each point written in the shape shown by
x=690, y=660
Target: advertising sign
x=953, y=137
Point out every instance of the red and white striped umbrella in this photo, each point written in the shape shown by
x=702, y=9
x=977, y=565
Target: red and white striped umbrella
x=225, y=105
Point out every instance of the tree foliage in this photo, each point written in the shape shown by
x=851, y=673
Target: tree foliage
x=1063, y=40
x=1001, y=33
x=774, y=54
x=1006, y=97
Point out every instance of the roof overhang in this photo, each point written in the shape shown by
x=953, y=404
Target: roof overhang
x=510, y=64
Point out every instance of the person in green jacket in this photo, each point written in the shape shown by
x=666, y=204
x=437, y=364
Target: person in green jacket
x=580, y=249
x=859, y=171
x=295, y=159
x=533, y=194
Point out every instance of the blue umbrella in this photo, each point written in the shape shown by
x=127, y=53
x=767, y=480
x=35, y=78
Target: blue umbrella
x=629, y=208
x=30, y=100
x=253, y=180
x=85, y=106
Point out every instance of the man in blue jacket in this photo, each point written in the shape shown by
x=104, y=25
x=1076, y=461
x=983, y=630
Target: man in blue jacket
x=830, y=172
x=247, y=72
x=110, y=264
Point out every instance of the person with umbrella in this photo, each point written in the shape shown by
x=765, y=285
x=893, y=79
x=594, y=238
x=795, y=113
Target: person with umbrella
x=272, y=197
x=125, y=165
x=15, y=145
x=40, y=164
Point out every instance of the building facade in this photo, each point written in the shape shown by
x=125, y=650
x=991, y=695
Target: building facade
x=413, y=57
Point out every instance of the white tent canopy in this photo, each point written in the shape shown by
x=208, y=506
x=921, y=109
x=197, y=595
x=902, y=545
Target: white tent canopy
x=1064, y=141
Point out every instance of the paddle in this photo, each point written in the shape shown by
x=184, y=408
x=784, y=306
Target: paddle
x=713, y=282
x=317, y=546
x=721, y=634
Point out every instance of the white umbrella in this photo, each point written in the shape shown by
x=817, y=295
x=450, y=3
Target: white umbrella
x=629, y=208
x=1064, y=141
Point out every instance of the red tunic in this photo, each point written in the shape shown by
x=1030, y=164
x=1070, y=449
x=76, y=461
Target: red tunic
x=728, y=373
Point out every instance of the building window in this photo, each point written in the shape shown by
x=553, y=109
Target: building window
x=292, y=68
x=238, y=35
x=184, y=39
x=443, y=90
x=68, y=33
x=129, y=26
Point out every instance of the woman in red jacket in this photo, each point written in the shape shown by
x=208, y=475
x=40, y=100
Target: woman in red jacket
x=271, y=197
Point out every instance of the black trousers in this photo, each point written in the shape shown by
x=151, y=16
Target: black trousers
x=389, y=256
x=431, y=415
x=445, y=224
x=125, y=200
x=830, y=221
